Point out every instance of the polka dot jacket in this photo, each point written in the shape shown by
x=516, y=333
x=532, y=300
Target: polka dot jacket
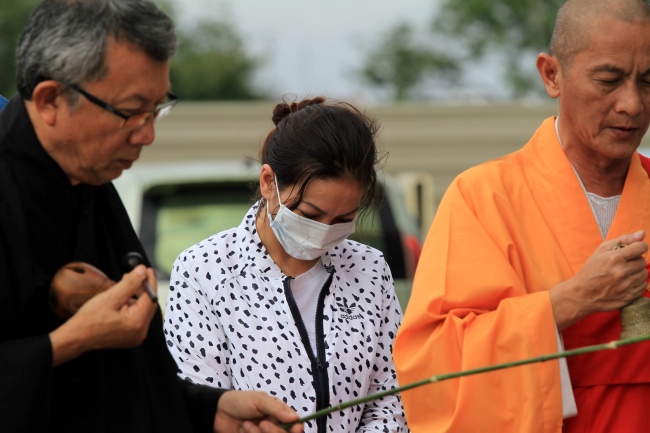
x=231, y=322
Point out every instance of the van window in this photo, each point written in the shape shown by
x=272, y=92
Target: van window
x=175, y=217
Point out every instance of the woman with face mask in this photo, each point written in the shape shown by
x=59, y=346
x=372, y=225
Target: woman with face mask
x=284, y=303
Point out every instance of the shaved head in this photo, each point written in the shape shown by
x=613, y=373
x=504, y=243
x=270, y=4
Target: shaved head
x=576, y=19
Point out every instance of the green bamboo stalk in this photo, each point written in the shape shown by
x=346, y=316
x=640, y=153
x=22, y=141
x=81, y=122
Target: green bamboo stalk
x=440, y=377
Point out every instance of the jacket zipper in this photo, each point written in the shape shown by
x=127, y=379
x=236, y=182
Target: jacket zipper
x=321, y=379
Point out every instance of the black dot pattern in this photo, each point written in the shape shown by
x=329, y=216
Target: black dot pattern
x=228, y=325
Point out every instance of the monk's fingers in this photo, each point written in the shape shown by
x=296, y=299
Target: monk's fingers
x=623, y=243
x=625, y=240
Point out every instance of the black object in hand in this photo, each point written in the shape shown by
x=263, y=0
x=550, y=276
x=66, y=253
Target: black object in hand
x=130, y=261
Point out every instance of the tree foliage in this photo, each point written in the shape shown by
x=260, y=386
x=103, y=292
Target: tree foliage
x=518, y=27
x=211, y=63
x=398, y=63
x=13, y=16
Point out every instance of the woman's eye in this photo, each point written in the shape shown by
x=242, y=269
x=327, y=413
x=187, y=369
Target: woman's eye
x=307, y=215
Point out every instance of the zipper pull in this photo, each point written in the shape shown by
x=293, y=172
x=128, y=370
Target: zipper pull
x=318, y=364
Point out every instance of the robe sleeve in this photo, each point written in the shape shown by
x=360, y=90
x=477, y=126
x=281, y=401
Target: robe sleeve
x=25, y=358
x=201, y=402
x=25, y=383
x=470, y=308
x=385, y=414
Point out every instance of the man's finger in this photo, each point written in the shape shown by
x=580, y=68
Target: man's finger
x=128, y=286
x=151, y=285
x=633, y=251
x=275, y=408
x=625, y=240
x=269, y=427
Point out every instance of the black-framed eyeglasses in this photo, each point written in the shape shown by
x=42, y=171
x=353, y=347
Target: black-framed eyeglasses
x=134, y=120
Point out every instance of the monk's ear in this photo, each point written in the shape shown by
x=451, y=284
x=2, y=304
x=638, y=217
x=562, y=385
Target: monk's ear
x=47, y=100
x=551, y=73
x=267, y=182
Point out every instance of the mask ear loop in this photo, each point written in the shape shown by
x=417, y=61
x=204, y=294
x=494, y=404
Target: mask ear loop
x=277, y=188
x=268, y=205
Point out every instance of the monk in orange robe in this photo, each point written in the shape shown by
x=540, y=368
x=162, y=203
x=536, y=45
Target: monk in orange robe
x=521, y=258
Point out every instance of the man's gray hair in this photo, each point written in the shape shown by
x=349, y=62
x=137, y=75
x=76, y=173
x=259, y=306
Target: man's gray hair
x=66, y=40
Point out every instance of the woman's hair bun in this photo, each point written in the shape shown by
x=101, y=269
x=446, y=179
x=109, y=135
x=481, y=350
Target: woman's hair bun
x=284, y=108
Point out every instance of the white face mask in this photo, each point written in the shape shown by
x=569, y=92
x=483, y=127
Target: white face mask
x=303, y=238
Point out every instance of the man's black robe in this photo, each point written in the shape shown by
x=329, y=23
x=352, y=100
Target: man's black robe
x=44, y=224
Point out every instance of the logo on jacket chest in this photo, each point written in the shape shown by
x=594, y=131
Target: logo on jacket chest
x=348, y=310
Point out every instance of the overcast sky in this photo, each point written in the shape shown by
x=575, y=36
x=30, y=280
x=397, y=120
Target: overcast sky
x=315, y=46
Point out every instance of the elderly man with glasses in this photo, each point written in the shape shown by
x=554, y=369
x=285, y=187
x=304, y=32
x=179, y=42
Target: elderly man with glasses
x=93, y=76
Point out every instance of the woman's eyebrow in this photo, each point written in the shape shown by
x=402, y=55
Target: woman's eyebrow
x=322, y=212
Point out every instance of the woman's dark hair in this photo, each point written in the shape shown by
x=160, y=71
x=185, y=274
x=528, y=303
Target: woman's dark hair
x=319, y=139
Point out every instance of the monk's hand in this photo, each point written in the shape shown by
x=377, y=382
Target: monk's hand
x=613, y=276
x=118, y=317
x=253, y=412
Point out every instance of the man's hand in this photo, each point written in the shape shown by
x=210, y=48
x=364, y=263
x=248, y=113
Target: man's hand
x=253, y=412
x=612, y=277
x=110, y=320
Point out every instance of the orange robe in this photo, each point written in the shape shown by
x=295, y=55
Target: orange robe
x=504, y=234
